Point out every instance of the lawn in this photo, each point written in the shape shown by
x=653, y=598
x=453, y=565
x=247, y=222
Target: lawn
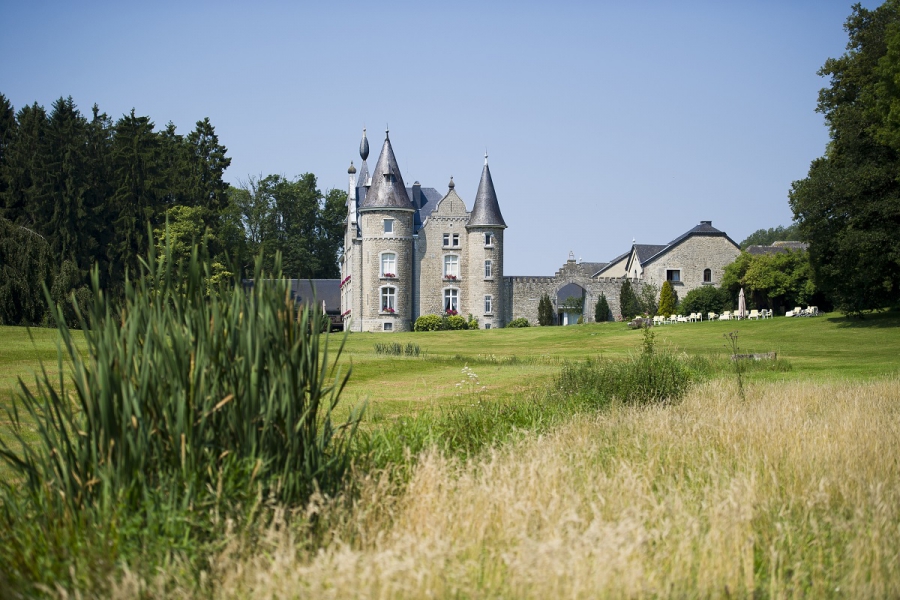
x=510, y=361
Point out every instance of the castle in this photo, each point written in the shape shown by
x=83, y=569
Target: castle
x=411, y=251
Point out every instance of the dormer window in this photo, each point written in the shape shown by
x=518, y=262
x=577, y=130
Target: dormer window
x=389, y=226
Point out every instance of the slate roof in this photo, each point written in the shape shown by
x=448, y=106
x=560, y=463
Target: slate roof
x=387, y=189
x=777, y=248
x=646, y=251
x=593, y=267
x=486, y=210
x=424, y=201
x=704, y=228
x=305, y=291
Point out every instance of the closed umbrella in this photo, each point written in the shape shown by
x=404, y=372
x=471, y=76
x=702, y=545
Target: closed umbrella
x=742, y=305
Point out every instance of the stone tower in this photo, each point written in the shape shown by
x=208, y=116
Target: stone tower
x=485, y=253
x=386, y=229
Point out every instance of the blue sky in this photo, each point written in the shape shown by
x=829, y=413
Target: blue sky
x=604, y=121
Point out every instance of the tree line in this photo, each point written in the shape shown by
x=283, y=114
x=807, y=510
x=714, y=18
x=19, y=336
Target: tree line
x=78, y=192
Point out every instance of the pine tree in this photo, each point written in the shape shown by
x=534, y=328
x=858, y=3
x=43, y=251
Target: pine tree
x=667, y=300
x=545, y=311
x=601, y=310
x=628, y=301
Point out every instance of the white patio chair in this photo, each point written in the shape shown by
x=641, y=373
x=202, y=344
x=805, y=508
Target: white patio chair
x=754, y=314
x=726, y=316
x=711, y=316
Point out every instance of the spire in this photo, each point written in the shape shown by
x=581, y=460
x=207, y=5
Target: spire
x=364, y=146
x=387, y=189
x=486, y=210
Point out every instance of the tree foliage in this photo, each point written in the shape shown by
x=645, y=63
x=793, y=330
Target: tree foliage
x=545, y=311
x=629, y=304
x=88, y=187
x=772, y=280
x=706, y=299
x=766, y=237
x=602, y=313
x=848, y=207
x=667, y=299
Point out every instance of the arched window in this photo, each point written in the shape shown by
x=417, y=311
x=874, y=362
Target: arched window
x=388, y=264
x=451, y=300
x=451, y=266
x=707, y=276
x=388, y=299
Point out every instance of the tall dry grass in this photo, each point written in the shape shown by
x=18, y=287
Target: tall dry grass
x=795, y=492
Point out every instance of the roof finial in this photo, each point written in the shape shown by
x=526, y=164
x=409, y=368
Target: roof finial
x=451, y=185
x=364, y=146
x=485, y=156
x=387, y=131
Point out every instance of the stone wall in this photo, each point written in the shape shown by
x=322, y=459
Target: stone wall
x=691, y=257
x=375, y=242
x=450, y=217
x=524, y=293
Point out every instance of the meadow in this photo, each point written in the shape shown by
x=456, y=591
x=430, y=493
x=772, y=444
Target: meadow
x=499, y=482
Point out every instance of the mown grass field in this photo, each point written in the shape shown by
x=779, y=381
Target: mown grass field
x=509, y=361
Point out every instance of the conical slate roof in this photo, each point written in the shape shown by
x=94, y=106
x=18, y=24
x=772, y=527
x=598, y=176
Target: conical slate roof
x=486, y=211
x=388, y=189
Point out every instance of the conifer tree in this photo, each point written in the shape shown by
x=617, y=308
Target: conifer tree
x=545, y=311
x=667, y=300
x=629, y=303
x=601, y=310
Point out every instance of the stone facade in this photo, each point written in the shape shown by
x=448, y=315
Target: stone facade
x=412, y=251
x=438, y=250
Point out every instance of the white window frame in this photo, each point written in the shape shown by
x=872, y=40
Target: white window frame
x=488, y=238
x=454, y=240
x=389, y=225
x=387, y=326
x=488, y=269
x=451, y=265
x=382, y=262
x=488, y=304
x=451, y=299
x=446, y=240
x=387, y=298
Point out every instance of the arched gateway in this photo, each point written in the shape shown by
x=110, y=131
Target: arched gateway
x=524, y=293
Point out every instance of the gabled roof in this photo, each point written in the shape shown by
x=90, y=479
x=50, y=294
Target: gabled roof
x=612, y=263
x=593, y=267
x=387, y=189
x=486, y=210
x=305, y=291
x=705, y=228
x=646, y=251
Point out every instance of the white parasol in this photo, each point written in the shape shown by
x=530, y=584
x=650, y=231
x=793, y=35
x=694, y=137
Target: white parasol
x=742, y=305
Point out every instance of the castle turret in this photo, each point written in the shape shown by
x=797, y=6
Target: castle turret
x=485, y=244
x=386, y=224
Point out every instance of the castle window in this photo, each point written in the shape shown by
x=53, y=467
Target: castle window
x=487, y=325
x=446, y=239
x=673, y=275
x=388, y=327
x=388, y=264
x=455, y=240
x=451, y=266
x=488, y=239
x=389, y=226
x=388, y=299
x=451, y=240
x=707, y=276
x=488, y=268
x=451, y=300
x=488, y=305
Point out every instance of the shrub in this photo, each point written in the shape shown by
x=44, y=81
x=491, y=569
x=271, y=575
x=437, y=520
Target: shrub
x=545, y=311
x=472, y=322
x=601, y=310
x=668, y=300
x=520, y=322
x=429, y=323
x=705, y=299
x=456, y=322
x=628, y=301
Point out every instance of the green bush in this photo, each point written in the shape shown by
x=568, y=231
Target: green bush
x=520, y=322
x=545, y=311
x=456, y=322
x=183, y=405
x=668, y=300
x=429, y=323
x=472, y=322
x=601, y=310
x=705, y=299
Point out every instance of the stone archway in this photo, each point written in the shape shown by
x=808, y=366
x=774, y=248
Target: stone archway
x=570, y=302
